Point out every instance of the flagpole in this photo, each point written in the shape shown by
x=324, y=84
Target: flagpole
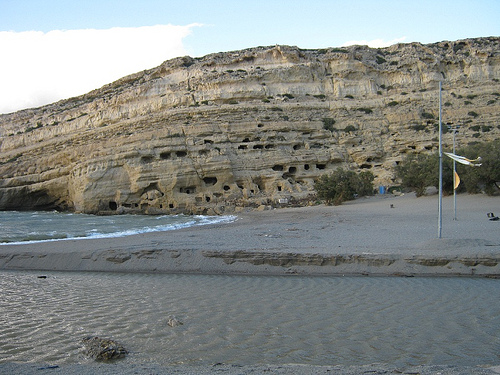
x=455, y=130
x=440, y=204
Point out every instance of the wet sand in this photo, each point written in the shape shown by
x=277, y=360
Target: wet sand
x=143, y=369
x=380, y=235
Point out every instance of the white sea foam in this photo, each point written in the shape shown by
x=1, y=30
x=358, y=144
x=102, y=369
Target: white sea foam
x=33, y=227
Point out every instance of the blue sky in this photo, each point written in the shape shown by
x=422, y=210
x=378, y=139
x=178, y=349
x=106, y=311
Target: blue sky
x=82, y=44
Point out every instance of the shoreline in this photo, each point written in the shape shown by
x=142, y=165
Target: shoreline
x=379, y=235
x=287, y=369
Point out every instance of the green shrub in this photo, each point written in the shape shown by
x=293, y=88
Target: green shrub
x=427, y=115
x=343, y=185
x=416, y=172
x=419, y=127
x=487, y=176
x=349, y=128
x=328, y=123
x=392, y=104
x=365, y=110
x=458, y=47
x=473, y=114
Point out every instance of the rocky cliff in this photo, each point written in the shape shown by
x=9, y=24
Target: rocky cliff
x=246, y=128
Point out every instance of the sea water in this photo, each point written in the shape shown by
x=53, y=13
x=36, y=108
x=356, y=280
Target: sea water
x=48, y=226
x=251, y=319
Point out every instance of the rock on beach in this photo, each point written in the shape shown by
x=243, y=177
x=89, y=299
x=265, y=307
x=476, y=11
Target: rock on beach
x=102, y=349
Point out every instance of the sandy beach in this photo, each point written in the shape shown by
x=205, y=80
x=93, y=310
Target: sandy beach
x=150, y=369
x=380, y=235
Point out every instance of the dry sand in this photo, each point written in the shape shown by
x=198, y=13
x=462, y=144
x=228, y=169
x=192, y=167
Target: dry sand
x=380, y=235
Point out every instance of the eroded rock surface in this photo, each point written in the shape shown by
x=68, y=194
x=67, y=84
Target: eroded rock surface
x=247, y=128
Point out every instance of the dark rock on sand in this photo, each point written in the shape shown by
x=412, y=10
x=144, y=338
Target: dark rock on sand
x=103, y=349
x=174, y=322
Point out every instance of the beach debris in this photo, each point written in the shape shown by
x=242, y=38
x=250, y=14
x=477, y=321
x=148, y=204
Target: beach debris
x=174, y=322
x=103, y=349
x=41, y=277
x=492, y=216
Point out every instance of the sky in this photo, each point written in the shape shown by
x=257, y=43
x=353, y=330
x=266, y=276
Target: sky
x=56, y=49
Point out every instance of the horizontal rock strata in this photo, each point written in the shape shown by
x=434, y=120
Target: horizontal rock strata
x=246, y=128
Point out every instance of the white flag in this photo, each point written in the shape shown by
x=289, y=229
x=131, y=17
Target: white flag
x=463, y=160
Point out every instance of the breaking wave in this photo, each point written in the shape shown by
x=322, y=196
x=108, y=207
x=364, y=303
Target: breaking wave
x=27, y=227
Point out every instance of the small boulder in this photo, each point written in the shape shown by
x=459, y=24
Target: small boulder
x=103, y=349
x=174, y=322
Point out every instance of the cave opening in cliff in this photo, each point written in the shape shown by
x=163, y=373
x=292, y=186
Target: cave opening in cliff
x=210, y=180
x=113, y=205
x=146, y=159
x=188, y=190
x=277, y=168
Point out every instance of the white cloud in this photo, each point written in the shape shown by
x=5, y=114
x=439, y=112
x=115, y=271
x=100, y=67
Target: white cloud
x=375, y=43
x=38, y=68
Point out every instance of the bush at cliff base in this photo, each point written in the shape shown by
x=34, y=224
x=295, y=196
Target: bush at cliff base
x=343, y=185
x=417, y=172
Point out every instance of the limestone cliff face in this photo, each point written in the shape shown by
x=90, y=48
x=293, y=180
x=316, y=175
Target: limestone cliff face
x=246, y=128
